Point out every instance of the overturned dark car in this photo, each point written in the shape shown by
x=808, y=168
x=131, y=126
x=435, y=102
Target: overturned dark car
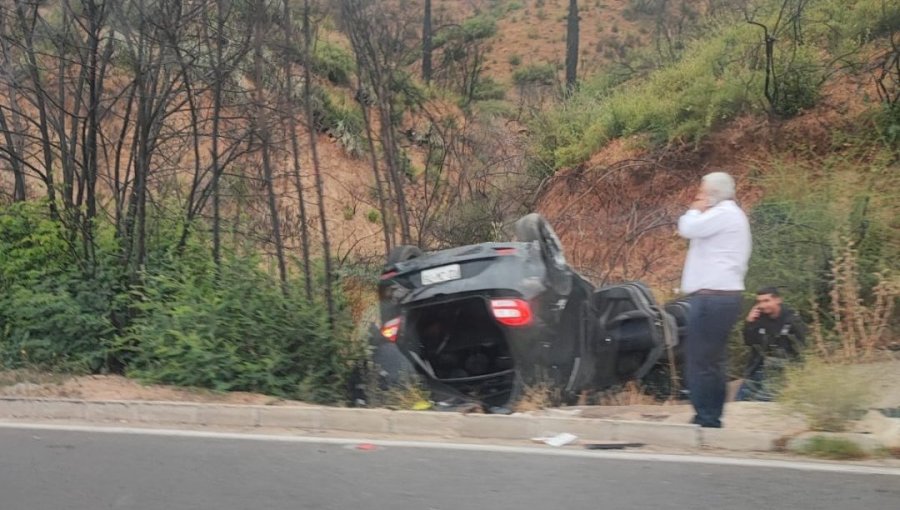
x=484, y=322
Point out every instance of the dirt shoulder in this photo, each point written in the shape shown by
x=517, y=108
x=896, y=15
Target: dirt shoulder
x=114, y=387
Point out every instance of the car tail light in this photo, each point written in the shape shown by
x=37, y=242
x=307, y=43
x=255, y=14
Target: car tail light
x=512, y=312
x=505, y=251
x=391, y=329
x=388, y=275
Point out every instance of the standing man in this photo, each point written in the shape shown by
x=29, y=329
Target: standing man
x=713, y=277
x=775, y=334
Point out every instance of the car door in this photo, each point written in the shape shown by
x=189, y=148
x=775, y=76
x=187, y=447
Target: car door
x=632, y=333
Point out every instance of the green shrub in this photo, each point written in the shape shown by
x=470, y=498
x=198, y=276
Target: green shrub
x=798, y=82
x=833, y=448
x=887, y=124
x=182, y=323
x=678, y=103
x=809, y=211
x=829, y=396
x=537, y=74
x=340, y=117
x=488, y=89
x=51, y=315
x=334, y=63
x=240, y=334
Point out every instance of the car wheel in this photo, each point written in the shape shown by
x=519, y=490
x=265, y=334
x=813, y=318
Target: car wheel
x=534, y=227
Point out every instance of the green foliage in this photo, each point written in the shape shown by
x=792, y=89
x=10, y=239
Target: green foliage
x=799, y=80
x=184, y=323
x=678, y=103
x=811, y=209
x=340, y=117
x=488, y=89
x=496, y=108
x=51, y=315
x=719, y=75
x=833, y=448
x=334, y=63
x=515, y=60
x=191, y=330
x=476, y=28
x=537, y=74
x=887, y=125
x=470, y=222
x=810, y=390
x=854, y=22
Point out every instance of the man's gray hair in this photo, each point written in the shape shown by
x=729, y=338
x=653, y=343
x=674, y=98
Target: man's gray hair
x=719, y=186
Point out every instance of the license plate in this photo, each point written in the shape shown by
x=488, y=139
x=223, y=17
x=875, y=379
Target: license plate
x=441, y=274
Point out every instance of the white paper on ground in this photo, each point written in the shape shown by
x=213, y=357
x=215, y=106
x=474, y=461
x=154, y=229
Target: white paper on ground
x=557, y=440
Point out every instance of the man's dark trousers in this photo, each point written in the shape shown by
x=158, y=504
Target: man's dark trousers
x=711, y=319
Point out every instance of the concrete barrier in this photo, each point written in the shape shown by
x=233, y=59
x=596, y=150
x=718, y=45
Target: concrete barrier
x=381, y=421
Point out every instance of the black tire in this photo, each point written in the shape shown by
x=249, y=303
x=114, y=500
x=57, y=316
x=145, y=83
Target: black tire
x=403, y=253
x=534, y=227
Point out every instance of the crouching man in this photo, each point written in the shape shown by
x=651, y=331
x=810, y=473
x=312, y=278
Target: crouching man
x=775, y=335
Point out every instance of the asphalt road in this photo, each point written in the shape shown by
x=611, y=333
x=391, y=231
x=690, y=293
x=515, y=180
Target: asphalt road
x=42, y=469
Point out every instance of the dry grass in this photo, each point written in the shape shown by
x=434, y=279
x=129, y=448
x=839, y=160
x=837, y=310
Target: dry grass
x=861, y=328
x=826, y=389
x=14, y=377
x=629, y=395
x=541, y=395
x=409, y=394
x=828, y=395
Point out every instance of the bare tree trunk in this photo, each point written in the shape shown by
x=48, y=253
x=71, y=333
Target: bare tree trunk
x=14, y=156
x=374, y=54
x=391, y=152
x=262, y=132
x=426, y=43
x=120, y=182
x=27, y=26
x=96, y=73
x=291, y=41
x=214, y=142
x=317, y=171
x=572, y=47
x=386, y=227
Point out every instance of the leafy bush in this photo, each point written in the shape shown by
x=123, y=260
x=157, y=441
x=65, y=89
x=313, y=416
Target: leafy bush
x=537, y=74
x=828, y=395
x=339, y=117
x=798, y=84
x=809, y=211
x=834, y=448
x=334, y=63
x=247, y=335
x=887, y=123
x=51, y=316
x=487, y=89
x=184, y=323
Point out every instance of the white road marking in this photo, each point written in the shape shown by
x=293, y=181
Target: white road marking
x=523, y=450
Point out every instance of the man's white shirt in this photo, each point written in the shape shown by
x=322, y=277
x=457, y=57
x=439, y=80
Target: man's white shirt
x=720, y=248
